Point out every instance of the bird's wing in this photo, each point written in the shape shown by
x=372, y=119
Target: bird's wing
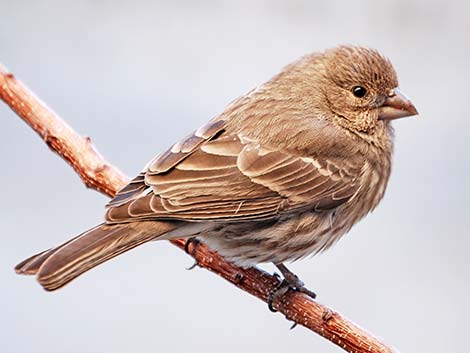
x=218, y=176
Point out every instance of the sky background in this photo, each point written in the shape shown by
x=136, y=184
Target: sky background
x=136, y=77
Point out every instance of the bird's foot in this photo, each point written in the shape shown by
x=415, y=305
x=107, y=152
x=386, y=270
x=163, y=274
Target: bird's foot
x=290, y=282
x=277, y=292
x=190, y=241
x=194, y=242
x=296, y=284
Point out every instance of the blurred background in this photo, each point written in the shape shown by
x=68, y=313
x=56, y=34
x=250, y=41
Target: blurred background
x=137, y=76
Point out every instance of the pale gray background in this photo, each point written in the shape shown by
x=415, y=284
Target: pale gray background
x=136, y=76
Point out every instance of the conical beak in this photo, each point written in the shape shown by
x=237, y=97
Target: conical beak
x=396, y=106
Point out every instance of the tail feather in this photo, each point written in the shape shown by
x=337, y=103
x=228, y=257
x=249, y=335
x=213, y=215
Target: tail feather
x=31, y=265
x=57, y=267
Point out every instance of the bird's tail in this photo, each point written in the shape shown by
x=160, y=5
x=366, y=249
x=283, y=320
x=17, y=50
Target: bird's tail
x=58, y=266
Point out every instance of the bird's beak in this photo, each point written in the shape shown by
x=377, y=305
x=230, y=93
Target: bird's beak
x=396, y=106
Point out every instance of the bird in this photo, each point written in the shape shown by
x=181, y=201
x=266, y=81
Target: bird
x=282, y=173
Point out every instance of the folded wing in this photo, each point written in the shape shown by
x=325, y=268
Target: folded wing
x=215, y=175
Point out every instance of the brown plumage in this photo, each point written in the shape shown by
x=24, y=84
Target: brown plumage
x=282, y=173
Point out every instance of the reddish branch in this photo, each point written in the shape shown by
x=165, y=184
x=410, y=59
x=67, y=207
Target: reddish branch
x=98, y=174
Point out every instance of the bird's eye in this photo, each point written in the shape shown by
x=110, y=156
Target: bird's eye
x=359, y=91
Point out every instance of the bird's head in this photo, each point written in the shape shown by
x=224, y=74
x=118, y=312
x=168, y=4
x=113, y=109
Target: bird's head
x=360, y=86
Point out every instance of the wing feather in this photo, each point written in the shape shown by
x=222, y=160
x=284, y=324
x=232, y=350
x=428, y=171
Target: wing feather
x=212, y=175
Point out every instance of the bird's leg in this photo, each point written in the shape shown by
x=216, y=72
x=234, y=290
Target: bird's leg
x=290, y=281
x=294, y=282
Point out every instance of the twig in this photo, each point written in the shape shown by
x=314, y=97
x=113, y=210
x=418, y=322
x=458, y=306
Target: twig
x=98, y=174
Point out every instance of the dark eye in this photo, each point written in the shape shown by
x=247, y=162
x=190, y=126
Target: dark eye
x=359, y=91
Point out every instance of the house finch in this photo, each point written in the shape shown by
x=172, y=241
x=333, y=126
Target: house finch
x=282, y=173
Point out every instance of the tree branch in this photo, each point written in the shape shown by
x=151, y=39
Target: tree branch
x=98, y=174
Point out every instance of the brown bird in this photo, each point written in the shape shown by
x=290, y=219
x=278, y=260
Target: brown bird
x=283, y=172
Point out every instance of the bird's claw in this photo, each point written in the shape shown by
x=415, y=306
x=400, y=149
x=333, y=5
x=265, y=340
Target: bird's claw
x=307, y=292
x=294, y=281
x=190, y=241
x=290, y=282
x=283, y=287
x=280, y=290
x=192, y=266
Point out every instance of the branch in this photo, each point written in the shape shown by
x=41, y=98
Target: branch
x=98, y=174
